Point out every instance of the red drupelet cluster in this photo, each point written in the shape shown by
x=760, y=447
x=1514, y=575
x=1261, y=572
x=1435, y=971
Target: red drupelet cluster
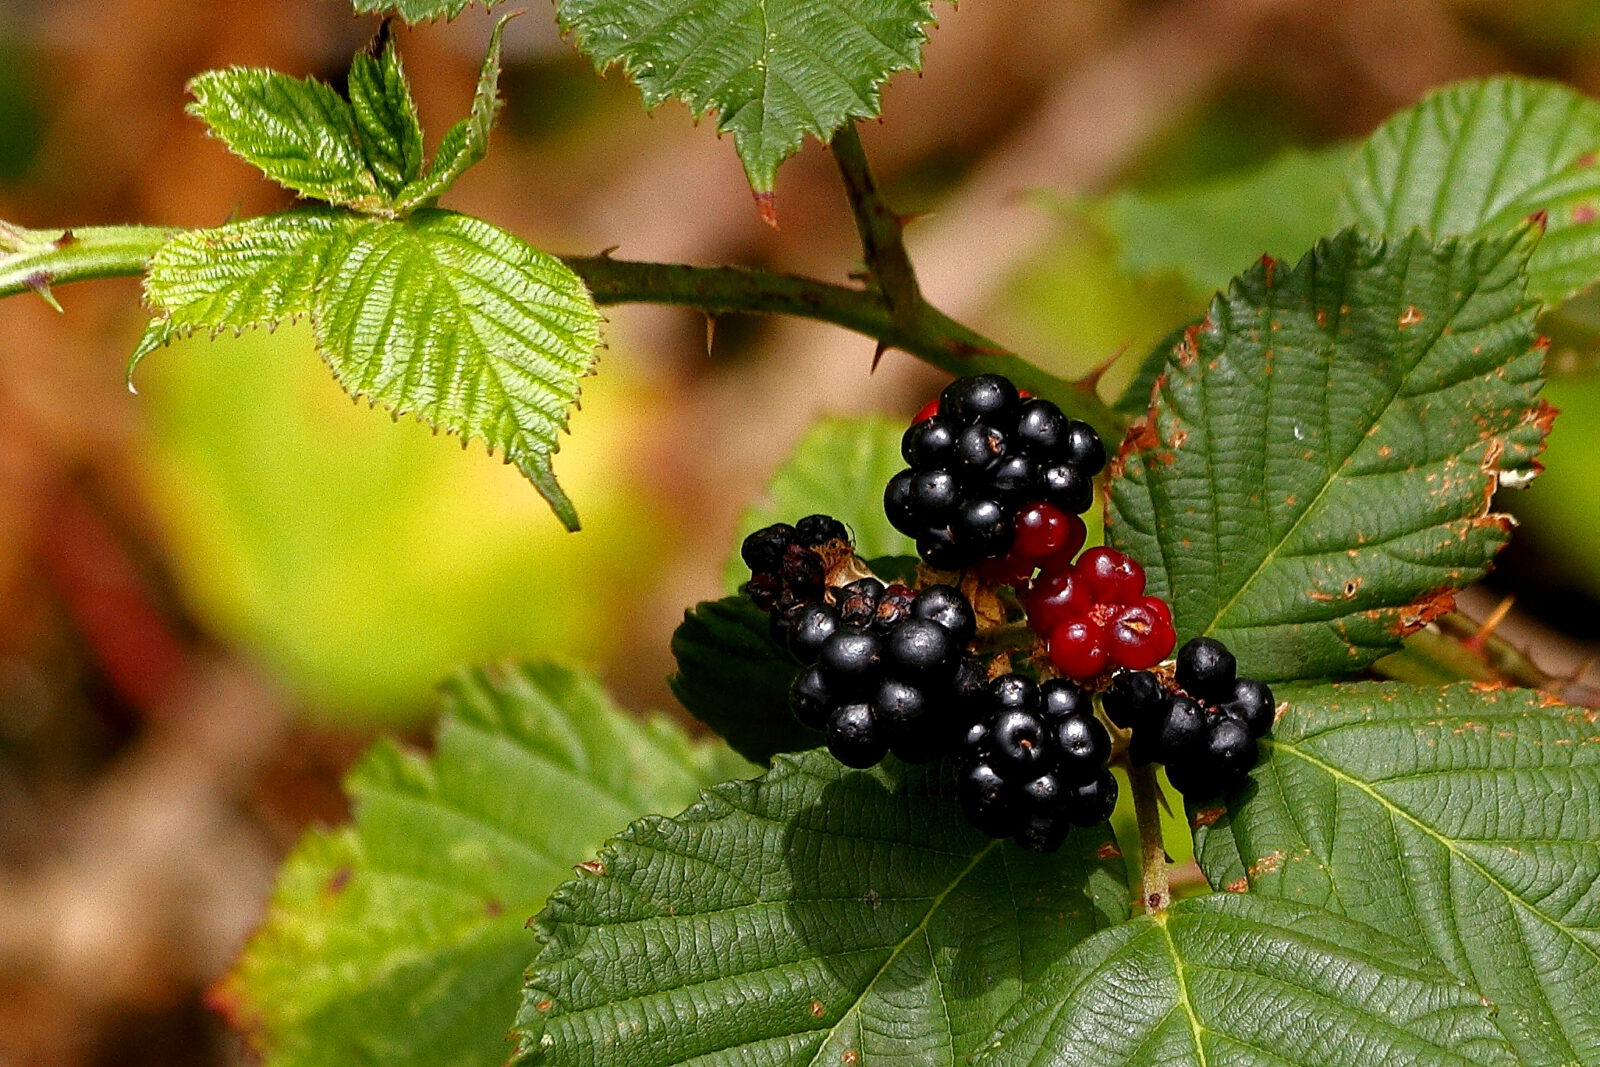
x=1094, y=614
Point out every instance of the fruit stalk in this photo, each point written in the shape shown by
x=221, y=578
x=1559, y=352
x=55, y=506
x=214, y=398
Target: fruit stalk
x=1155, y=892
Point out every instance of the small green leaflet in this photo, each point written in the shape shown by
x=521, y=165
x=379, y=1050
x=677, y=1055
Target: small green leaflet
x=773, y=70
x=1479, y=159
x=1314, y=478
x=400, y=939
x=815, y=915
x=414, y=11
x=385, y=114
x=364, y=153
x=1245, y=980
x=437, y=314
x=839, y=468
x=1461, y=821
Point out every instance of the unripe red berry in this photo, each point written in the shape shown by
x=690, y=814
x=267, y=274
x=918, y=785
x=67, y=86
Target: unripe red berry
x=1113, y=578
x=1053, y=599
x=1078, y=649
x=1139, y=637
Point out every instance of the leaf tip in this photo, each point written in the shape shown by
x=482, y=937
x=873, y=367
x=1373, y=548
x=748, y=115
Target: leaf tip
x=767, y=207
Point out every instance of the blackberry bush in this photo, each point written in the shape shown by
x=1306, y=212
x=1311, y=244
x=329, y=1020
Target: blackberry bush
x=910, y=849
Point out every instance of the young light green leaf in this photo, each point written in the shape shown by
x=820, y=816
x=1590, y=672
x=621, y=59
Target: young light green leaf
x=400, y=939
x=1244, y=980
x=1479, y=159
x=414, y=11
x=438, y=314
x=385, y=113
x=299, y=132
x=1460, y=821
x=364, y=153
x=468, y=140
x=1314, y=477
x=839, y=468
x=1208, y=232
x=735, y=679
x=774, y=70
x=815, y=915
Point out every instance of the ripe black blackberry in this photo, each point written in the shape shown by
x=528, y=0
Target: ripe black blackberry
x=984, y=454
x=1032, y=764
x=1205, y=731
x=885, y=670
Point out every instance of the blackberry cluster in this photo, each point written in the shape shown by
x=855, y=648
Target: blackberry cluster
x=1205, y=729
x=786, y=570
x=978, y=460
x=1033, y=764
x=885, y=670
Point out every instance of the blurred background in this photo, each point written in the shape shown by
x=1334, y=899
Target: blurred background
x=215, y=592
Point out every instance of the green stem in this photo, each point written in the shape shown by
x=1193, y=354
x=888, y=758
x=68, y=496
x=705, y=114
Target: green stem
x=882, y=233
x=37, y=259
x=932, y=336
x=1155, y=892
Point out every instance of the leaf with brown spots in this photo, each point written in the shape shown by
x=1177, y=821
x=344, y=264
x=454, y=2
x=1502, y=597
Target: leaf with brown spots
x=1462, y=822
x=1313, y=479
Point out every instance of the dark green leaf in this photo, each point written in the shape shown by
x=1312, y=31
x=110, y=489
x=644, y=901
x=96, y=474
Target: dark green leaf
x=839, y=468
x=299, y=132
x=400, y=939
x=1245, y=980
x=1479, y=159
x=774, y=70
x=438, y=314
x=1316, y=475
x=1463, y=822
x=732, y=677
x=385, y=114
x=815, y=915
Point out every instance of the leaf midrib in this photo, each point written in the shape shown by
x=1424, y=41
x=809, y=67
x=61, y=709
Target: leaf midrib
x=1337, y=475
x=894, y=953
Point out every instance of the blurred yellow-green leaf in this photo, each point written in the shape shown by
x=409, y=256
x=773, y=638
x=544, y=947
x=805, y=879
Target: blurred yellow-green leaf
x=361, y=559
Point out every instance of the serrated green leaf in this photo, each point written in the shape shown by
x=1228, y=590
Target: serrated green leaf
x=1461, y=821
x=1316, y=476
x=439, y=315
x=468, y=140
x=734, y=678
x=839, y=468
x=1478, y=159
x=299, y=132
x=364, y=153
x=400, y=939
x=1244, y=980
x=773, y=70
x=815, y=915
x=1207, y=233
x=385, y=113
x=414, y=11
